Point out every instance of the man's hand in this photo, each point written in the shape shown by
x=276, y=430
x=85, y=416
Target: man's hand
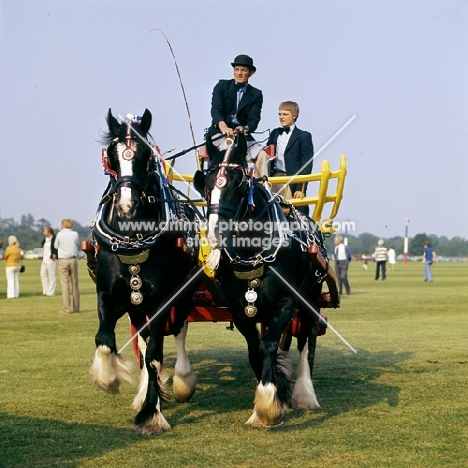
x=225, y=130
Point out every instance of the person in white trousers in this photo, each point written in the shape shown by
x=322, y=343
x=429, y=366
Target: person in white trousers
x=12, y=257
x=49, y=263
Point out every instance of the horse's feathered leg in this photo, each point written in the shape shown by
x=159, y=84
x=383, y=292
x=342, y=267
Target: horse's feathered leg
x=143, y=386
x=109, y=370
x=303, y=396
x=184, y=379
x=149, y=419
x=273, y=392
x=271, y=404
x=250, y=332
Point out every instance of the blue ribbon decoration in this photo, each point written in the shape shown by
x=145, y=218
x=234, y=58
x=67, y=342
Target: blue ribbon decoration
x=250, y=200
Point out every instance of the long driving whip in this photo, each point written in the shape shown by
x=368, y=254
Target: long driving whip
x=183, y=92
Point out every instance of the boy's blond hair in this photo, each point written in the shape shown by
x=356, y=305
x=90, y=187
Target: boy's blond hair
x=290, y=106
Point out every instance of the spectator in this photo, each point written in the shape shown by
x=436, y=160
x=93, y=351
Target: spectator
x=391, y=259
x=49, y=263
x=67, y=244
x=429, y=257
x=342, y=259
x=12, y=257
x=380, y=256
x=365, y=260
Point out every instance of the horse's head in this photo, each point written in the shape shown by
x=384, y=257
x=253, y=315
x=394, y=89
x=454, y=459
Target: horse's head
x=226, y=182
x=129, y=156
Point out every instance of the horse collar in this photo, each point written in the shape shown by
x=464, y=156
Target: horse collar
x=134, y=259
x=135, y=282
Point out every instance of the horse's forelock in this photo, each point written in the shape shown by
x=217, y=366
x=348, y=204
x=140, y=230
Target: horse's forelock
x=107, y=137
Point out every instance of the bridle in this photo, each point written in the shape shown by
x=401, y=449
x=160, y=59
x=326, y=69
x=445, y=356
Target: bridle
x=221, y=179
x=236, y=254
x=132, y=182
x=226, y=209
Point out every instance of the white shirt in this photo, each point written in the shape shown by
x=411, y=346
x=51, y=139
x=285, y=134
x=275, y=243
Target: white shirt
x=281, y=144
x=47, y=252
x=67, y=243
x=340, y=252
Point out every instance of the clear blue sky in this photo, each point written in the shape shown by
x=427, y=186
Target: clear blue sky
x=400, y=66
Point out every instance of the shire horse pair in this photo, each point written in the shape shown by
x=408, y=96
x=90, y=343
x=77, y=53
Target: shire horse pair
x=262, y=267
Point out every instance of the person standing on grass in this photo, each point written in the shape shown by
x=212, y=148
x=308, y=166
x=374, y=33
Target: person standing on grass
x=67, y=244
x=342, y=259
x=365, y=260
x=391, y=259
x=429, y=257
x=49, y=263
x=380, y=256
x=12, y=257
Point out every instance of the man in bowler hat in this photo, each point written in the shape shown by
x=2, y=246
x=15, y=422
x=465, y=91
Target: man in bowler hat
x=236, y=106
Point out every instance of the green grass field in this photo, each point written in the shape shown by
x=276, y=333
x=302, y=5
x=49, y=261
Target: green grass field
x=401, y=401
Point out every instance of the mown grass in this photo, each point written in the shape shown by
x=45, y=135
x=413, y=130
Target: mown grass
x=401, y=401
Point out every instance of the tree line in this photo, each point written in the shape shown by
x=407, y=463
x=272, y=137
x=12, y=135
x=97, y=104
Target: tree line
x=444, y=247
x=30, y=234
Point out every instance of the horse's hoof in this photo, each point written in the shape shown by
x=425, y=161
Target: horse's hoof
x=154, y=425
x=256, y=421
x=149, y=430
x=259, y=420
x=184, y=387
x=276, y=426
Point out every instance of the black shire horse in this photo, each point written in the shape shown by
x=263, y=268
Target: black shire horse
x=265, y=273
x=139, y=269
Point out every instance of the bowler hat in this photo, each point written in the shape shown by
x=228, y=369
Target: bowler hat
x=245, y=61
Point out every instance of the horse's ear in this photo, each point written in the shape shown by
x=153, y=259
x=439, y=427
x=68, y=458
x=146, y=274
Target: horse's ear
x=199, y=182
x=112, y=123
x=211, y=149
x=242, y=144
x=145, y=123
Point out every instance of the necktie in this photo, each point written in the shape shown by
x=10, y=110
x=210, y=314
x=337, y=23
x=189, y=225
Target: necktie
x=240, y=93
x=284, y=129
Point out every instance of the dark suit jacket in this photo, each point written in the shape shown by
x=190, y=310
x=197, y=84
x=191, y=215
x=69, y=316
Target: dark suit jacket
x=224, y=103
x=299, y=152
